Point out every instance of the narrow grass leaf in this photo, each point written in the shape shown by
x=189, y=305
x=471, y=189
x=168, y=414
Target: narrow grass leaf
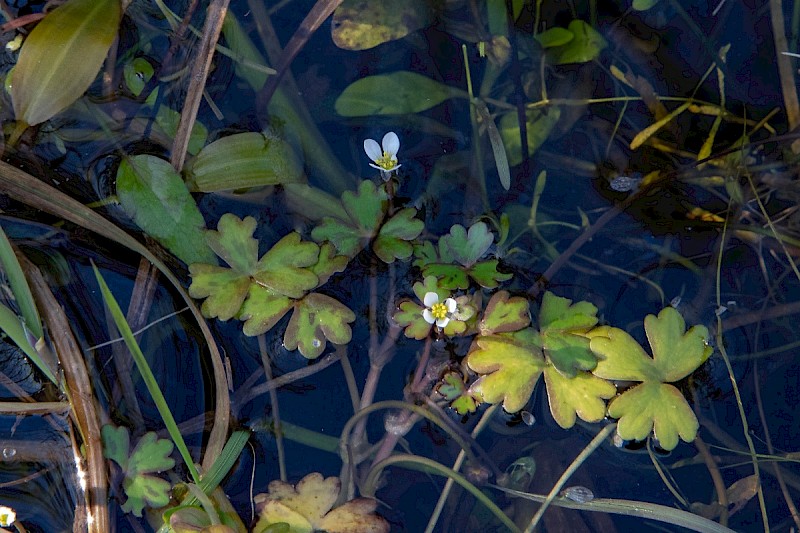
x=19, y=286
x=652, y=129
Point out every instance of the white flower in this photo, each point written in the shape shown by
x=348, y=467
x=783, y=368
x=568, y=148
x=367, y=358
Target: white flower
x=7, y=516
x=437, y=312
x=384, y=159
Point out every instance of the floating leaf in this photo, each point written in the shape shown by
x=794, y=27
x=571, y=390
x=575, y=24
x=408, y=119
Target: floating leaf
x=540, y=124
x=504, y=313
x=585, y=45
x=580, y=395
x=157, y=200
x=652, y=405
x=318, y=317
x=453, y=389
x=328, y=263
x=510, y=369
x=364, y=24
x=397, y=93
x=392, y=241
x=151, y=455
x=465, y=247
x=562, y=325
x=306, y=507
x=486, y=274
x=262, y=309
x=410, y=317
x=244, y=160
x=643, y=5
x=285, y=270
x=61, y=57
x=554, y=37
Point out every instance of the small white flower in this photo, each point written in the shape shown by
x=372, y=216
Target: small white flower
x=437, y=312
x=7, y=516
x=384, y=159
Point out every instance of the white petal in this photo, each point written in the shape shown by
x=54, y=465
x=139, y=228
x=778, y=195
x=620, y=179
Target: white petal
x=428, y=316
x=451, y=305
x=442, y=322
x=372, y=149
x=430, y=299
x=373, y=165
x=391, y=143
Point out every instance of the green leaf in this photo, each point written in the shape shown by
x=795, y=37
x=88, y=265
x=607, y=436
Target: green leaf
x=397, y=93
x=285, y=270
x=562, y=325
x=244, y=160
x=584, y=47
x=328, y=263
x=540, y=124
x=234, y=243
x=318, y=317
x=9, y=264
x=262, y=310
x=430, y=284
x=167, y=120
x=150, y=455
x=509, y=370
x=116, y=444
x=486, y=275
x=652, y=404
x=504, y=313
x=581, y=395
x=451, y=277
x=365, y=210
x=144, y=491
x=643, y=5
x=241, y=46
x=409, y=316
x=157, y=200
x=137, y=73
x=554, y=37
x=360, y=24
x=61, y=57
x=465, y=247
x=453, y=389
x=392, y=241
x=425, y=253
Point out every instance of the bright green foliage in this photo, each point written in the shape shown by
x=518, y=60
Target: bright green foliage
x=582, y=394
x=317, y=316
x=155, y=197
x=504, y=313
x=654, y=404
x=61, y=57
x=243, y=160
x=150, y=455
x=510, y=368
x=307, y=507
x=453, y=388
x=261, y=291
x=562, y=327
x=456, y=259
x=585, y=45
x=392, y=241
x=366, y=210
x=397, y=93
x=137, y=73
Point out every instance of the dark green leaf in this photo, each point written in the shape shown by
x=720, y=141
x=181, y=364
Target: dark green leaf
x=392, y=241
x=584, y=47
x=397, y=93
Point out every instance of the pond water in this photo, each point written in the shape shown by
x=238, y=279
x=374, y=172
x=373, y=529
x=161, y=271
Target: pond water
x=658, y=180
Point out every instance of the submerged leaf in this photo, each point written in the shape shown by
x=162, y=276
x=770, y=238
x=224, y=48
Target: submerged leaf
x=539, y=125
x=397, y=93
x=155, y=197
x=61, y=57
x=585, y=45
x=363, y=24
x=465, y=247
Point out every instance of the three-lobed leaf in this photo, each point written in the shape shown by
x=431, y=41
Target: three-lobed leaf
x=504, y=313
x=581, y=396
x=365, y=211
x=318, y=317
x=392, y=240
x=286, y=267
x=562, y=326
x=465, y=247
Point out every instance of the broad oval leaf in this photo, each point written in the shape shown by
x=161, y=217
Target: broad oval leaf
x=61, y=57
x=244, y=160
x=363, y=24
x=397, y=93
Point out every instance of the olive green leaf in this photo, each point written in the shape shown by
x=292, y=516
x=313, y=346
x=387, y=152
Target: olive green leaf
x=361, y=24
x=585, y=45
x=285, y=270
x=155, y=197
x=167, y=120
x=452, y=277
x=318, y=317
x=409, y=316
x=410, y=93
x=654, y=404
x=307, y=507
x=465, y=247
x=392, y=241
x=580, y=395
x=554, y=37
x=430, y=284
x=61, y=57
x=151, y=455
x=540, y=123
x=365, y=211
x=262, y=309
x=137, y=73
x=562, y=326
x=328, y=263
x=504, y=313
x=509, y=368
x=243, y=160
x=453, y=389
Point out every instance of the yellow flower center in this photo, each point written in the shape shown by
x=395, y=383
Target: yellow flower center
x=387, y=162
x=439, y=311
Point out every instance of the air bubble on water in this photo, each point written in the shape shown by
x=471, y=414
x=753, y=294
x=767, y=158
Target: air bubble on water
x=578, y=494
x=316, y=343
x=527, y=418
x=8, y=453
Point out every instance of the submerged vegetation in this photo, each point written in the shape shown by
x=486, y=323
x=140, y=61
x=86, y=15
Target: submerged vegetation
x=558, y=254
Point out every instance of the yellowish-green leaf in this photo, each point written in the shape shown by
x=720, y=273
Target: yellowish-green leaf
x=581, y=395
x=61, y=57
x=397, y=93
x=363, y=24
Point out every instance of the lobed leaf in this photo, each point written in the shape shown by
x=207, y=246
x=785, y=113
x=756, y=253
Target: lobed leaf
x=392, y=241
x=262, y=309
x=582, y=395
x=504, y=313
x=409, y=316
x=285, y=270
x=360, y=24
x=234, y=243
x=223, y=288
x=317, y=317
x=562, y=325
x=466, y=247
